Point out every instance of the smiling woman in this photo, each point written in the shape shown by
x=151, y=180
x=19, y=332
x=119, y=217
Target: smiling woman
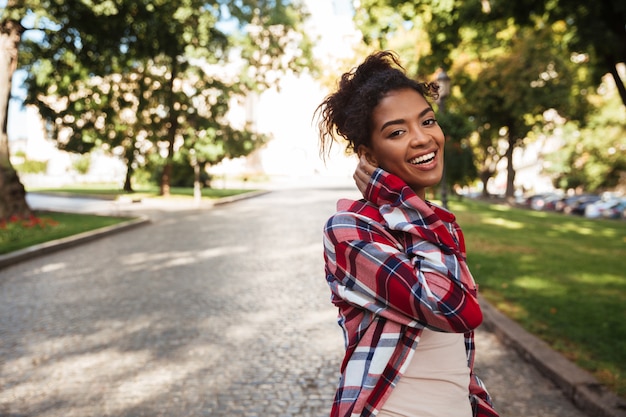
x=395, y=262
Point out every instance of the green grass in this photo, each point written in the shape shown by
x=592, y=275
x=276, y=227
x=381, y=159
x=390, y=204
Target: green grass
x=561, y=277
x=49, y=226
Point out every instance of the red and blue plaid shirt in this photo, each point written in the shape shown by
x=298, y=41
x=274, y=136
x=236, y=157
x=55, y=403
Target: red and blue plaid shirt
x=395, y=265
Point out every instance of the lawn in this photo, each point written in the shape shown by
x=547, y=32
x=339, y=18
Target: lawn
x=44, y=227
x=112, y=191
x=561, y=277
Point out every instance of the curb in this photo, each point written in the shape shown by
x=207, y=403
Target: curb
x=578, y=385
x=239, y=197
x=30, y=252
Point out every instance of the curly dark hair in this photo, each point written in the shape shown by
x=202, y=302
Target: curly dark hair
x=347, y=112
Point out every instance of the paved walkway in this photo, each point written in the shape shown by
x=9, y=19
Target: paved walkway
x=204, y=312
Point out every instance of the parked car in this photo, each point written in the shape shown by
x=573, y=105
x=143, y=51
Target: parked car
x=579, y=205
x=564, y=202
x=595, y=209
x=546, y=201
x=549, y=202
x=615, y=210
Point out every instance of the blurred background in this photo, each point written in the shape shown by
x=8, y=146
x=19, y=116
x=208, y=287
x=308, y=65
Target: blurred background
x=223, y=94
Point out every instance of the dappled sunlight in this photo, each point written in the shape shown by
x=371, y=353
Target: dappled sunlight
x=456, y=207
x=160, y=260
x=108, y=330
x=249, y=325
x=50, y=268
x=295, y=250
x=500, y=207
x=539, y=284
x=509, y=224
x=586, y=229
x=102, y=371
x=84, y=375
x=151, y=382
x=491, y=247
x=572, y=227
x=538, y=214
x=512, y=310
x=114, y=379
x=600, y=278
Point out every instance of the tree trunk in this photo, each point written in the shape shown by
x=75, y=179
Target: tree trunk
x=171, y=134
x=197, y=189
x=128, y=187
x=510, y=170
x=12, y=193
x=618, y=81
x=130, y=159
x=484, y=178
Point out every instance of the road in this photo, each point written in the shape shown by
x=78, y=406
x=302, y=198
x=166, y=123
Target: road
x=213, y=312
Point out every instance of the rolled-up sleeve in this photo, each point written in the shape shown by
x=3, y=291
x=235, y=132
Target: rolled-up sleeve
x=370, y=269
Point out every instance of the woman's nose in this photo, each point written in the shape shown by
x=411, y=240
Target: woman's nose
x=419, y=137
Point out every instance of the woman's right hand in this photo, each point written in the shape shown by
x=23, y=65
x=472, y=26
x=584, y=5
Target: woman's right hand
x=363, y=174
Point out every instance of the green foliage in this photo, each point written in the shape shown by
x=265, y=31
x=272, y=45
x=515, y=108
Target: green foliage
x=31, y=167
x=595, y=29
x=183, y=174
x=514, y=88
x=82, y=163
x=142, y=77
x=510, y=62
x=509, y=82
x=459, y=157
x=594, y=157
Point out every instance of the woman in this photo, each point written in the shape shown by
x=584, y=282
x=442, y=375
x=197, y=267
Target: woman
x=395, y=262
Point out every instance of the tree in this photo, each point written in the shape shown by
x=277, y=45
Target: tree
x=596, y=30
x=594, y=158
x=459, y=158
x=512, y=91
x=12, y=193
x=148, y=78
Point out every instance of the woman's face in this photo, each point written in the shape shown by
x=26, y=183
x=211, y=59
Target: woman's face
x=406, y=140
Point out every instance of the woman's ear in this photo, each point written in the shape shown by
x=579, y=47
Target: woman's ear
x=363, y=150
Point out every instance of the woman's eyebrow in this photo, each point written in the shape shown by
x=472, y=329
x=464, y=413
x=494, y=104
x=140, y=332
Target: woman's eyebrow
x=391, y=122
x=400, y=121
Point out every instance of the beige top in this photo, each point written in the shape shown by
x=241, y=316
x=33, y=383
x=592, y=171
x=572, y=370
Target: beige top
x=436, y=381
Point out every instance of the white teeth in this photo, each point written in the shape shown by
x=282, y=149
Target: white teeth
x=423, y=158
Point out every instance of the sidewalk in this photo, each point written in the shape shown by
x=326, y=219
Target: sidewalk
x=579, y=386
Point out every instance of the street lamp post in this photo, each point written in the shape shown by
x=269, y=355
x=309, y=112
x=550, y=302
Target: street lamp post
x=444, y=91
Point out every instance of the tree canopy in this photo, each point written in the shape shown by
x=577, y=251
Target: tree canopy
x=510, y=62
x=147, y=79
x=160, y=77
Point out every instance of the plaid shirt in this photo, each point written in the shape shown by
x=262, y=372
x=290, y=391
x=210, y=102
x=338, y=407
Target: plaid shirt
x=396, y=264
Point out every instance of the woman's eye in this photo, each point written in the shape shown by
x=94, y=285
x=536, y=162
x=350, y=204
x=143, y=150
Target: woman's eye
x=430, y=122
x=395, y=133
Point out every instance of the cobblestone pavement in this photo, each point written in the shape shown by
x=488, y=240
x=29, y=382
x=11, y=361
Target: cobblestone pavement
x=220, y=312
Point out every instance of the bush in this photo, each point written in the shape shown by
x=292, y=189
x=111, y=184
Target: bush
x=32, y=167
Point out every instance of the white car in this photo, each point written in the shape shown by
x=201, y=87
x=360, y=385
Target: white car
x=595, y=210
